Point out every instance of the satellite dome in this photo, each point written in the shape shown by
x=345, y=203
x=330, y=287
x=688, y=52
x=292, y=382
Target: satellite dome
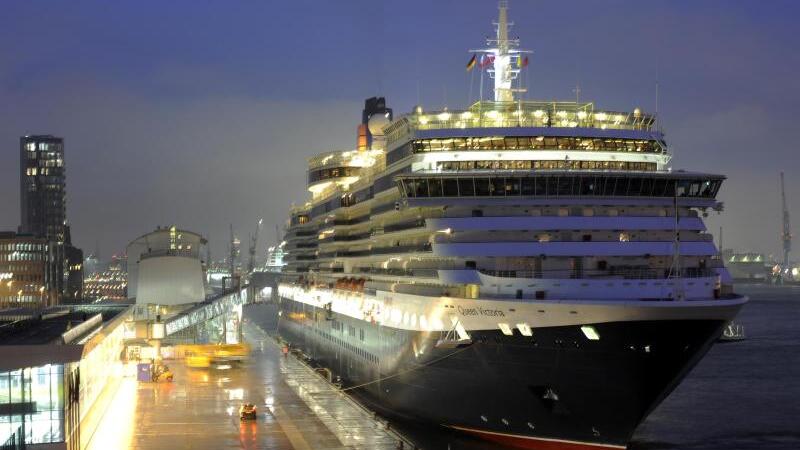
x=376, y=124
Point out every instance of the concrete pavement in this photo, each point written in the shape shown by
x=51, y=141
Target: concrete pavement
x=199, y=410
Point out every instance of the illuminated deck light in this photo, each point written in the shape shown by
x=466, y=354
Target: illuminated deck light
x=590, y=332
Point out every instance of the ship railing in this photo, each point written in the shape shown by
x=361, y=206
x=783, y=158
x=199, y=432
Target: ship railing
x=426, y=247
x=489, y=114
x=422, y=273
x=626, y=273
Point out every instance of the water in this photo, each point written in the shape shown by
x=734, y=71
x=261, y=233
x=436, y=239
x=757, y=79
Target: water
x=743, y=395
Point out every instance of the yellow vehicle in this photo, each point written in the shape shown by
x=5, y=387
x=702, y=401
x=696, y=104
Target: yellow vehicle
x=247, y=412
x=231, y=352
x=162, y=373
x=198, y=361
x=205, y=355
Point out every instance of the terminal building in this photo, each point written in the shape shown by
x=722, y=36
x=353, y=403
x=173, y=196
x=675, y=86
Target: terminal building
x=165, y=267
x=57, y=366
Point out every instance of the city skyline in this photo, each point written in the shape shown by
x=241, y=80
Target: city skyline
x=191, y=116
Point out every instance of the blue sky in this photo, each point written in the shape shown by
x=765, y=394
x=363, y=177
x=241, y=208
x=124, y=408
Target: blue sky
x=201, y=113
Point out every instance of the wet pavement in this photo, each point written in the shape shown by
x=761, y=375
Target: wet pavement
x=297, y=409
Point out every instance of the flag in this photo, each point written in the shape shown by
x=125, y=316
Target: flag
x=519, y=60
x=472, y=62
x=486, y=60
x=524, y=62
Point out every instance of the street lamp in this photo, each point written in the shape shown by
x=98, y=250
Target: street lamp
x=19, y=296
x=41, y=296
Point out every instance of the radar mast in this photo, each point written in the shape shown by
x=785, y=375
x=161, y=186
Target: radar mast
x=504, y=56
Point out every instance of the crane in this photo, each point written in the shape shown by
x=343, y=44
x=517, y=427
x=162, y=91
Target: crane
x=232, y=254
x=253, y=244
x=786, y=236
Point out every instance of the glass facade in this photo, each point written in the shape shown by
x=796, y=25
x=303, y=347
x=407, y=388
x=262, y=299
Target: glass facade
x=33, y=399
x=536, y=143
x=331, y=173
x=500, y=143
x=545, y=165
x=554, y=185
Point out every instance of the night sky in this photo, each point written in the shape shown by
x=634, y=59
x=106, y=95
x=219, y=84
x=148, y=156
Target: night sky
x=202, y=114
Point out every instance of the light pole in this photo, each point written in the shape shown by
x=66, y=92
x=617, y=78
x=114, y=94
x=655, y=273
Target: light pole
x=41, y=296
x=19, y=296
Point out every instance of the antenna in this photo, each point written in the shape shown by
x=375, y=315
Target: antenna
x=502, y=53
x=657, y=121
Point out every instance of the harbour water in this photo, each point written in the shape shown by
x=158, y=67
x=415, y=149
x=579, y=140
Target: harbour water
x=743, y=395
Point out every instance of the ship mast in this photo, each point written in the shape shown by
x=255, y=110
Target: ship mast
x=503, y=54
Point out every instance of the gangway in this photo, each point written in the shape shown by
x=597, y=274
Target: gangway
x=211, y=308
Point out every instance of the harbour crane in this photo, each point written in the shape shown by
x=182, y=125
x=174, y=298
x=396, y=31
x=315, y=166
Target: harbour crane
x=232, y=253
x=253, y=244
x=786, y=236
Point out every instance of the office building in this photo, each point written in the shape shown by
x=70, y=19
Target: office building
x=43, y=209
x=24, y=280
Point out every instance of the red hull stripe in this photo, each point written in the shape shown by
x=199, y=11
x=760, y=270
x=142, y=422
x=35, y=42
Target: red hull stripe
x=534, y=443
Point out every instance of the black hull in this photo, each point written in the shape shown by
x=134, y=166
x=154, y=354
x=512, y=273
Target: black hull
x=557, y=385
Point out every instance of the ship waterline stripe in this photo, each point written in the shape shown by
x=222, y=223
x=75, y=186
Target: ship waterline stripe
x=587, y=445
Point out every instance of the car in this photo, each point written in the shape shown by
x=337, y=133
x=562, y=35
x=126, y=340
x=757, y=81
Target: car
x=247, y=412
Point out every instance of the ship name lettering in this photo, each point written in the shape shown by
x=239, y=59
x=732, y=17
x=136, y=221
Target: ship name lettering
x=480, y=312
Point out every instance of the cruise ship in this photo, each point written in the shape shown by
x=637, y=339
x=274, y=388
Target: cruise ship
x=532, y=273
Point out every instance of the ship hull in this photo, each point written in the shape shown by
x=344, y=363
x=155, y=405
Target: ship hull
x=554, y=389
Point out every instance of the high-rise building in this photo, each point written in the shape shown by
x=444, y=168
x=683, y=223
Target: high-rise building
x=43, y=205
